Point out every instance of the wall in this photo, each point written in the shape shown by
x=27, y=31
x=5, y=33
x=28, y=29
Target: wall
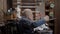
x=57, y=16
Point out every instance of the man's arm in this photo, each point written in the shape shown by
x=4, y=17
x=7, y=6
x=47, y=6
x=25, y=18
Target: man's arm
x=39, y=23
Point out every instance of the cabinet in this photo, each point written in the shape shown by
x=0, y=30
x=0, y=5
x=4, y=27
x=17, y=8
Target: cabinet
x=49, y=10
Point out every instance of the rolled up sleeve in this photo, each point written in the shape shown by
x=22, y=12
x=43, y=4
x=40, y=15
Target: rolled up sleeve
x=39, y=23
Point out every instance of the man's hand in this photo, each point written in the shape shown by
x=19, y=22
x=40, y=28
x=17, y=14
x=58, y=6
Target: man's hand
x=46, y=18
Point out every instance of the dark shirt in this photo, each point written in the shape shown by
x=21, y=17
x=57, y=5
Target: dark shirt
x=25, y=26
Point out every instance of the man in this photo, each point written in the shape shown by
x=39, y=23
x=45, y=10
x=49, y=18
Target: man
x=26, y=23
x=40, y=20
x=18, y=12
x=37, y=15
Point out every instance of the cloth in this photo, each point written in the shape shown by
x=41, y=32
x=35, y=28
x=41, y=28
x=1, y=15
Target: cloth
x=42, y=27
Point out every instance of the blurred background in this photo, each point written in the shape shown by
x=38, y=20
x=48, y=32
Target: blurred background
x=51, y=8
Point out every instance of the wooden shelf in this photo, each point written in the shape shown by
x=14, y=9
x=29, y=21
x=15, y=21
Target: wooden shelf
x=29, y=3
x=46, y=10
x=51, y=24
x=28, y=6
x=53, y=19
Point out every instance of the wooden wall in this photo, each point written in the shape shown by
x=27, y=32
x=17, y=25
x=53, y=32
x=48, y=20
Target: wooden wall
x=57, y=16
x=3, y=8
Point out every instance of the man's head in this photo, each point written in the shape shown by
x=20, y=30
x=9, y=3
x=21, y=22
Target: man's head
x=28, y=13
x=37, y=15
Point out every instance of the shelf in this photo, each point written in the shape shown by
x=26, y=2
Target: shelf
x=46, y=10
x=28, y=6
x=53, y=19
x=50, y=24
x=29, y=3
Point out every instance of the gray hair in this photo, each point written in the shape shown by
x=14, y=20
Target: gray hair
x=27, y=13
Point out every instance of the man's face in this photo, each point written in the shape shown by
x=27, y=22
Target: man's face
x=37, y=16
